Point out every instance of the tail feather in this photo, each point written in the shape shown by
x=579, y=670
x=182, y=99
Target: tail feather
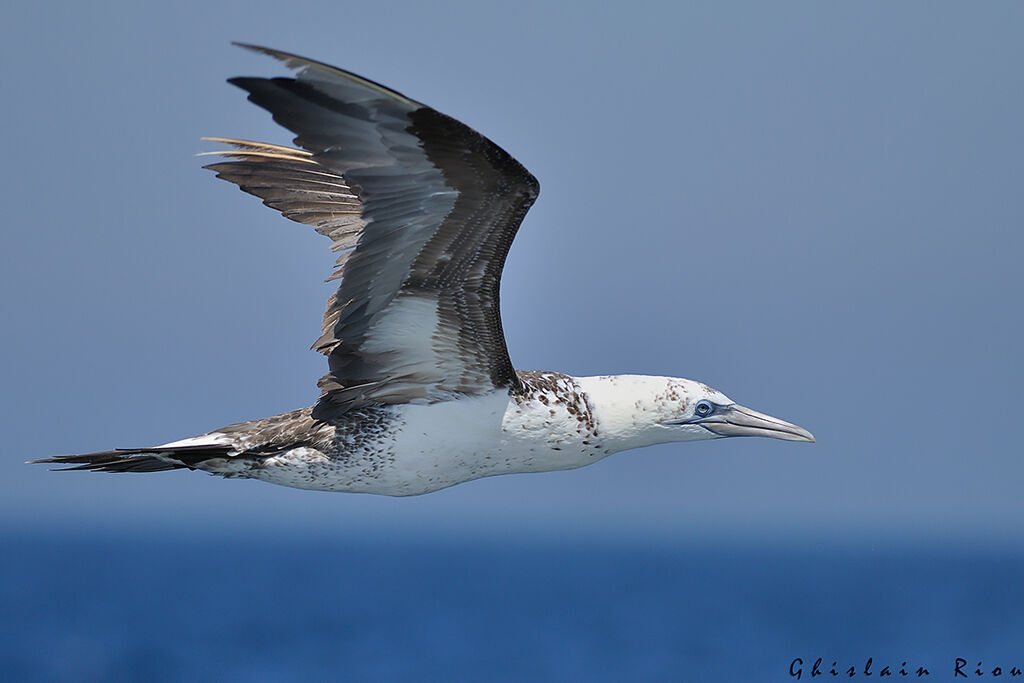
x=158, y=459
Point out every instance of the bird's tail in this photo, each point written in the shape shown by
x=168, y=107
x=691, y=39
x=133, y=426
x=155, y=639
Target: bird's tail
x=157, y=459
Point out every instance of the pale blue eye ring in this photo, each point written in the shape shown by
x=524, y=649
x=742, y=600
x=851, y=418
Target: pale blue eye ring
x=703, y=408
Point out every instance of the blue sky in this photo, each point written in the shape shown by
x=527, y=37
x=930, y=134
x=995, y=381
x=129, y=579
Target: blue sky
x=813, y=207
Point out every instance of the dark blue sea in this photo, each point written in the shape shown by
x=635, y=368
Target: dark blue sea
x=109, y=607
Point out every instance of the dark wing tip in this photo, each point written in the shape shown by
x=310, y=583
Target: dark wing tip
x=297, y=63
x=249, y=46
x=271, y=52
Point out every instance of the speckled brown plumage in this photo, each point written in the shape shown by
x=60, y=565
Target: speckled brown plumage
x=555, y=388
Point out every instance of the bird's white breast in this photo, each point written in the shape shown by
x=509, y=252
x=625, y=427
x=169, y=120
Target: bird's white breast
x=446, y=443
x=428, y=447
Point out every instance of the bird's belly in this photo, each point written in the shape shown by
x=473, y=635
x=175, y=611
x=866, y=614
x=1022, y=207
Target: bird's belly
x=431, y=447
x=437, y=449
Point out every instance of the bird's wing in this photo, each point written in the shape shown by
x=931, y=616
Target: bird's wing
x=423, y=209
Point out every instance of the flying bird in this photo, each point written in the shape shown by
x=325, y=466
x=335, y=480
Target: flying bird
x=420, y=393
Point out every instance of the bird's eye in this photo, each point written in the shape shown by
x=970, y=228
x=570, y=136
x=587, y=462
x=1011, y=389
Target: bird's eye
x=703, y=408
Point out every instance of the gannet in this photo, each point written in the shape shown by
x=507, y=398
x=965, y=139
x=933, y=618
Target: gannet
x=420, y=393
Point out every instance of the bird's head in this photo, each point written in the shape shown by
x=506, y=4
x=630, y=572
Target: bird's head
x=642, y=410
x=715, y=416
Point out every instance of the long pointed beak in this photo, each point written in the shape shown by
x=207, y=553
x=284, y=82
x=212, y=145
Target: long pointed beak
x=737, y=420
